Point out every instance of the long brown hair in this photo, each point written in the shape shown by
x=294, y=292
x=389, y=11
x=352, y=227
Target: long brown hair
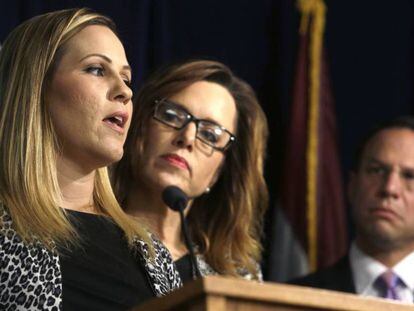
x=226, y=223
x=29, y=146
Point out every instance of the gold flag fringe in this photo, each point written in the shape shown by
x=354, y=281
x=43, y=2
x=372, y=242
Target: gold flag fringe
x=313, y=24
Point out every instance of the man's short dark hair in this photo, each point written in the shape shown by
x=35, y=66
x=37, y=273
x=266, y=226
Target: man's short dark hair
x=402, y=122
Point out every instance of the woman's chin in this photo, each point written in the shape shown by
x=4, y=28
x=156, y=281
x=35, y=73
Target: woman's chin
x=162, y=184
x=104, y=159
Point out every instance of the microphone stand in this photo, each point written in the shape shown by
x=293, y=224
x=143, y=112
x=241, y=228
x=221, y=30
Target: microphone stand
x=177, y=200
x=189, y=245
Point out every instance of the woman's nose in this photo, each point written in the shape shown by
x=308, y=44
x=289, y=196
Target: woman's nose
x=186, y=137
x=121, y=91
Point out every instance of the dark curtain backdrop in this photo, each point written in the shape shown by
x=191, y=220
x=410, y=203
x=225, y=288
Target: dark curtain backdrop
x=369, y=46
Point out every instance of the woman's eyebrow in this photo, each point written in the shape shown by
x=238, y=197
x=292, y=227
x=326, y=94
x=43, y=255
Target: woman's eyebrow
x=181, y=106
x=106, y=58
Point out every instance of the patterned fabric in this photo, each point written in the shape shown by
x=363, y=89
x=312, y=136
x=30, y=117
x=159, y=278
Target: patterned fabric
x=31, y=279
x=161, y=270
x=206, y=269
x=30, y=276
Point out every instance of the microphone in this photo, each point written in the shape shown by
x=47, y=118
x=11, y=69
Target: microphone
x=177, y=200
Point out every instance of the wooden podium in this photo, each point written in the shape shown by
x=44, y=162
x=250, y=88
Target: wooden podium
x=219, y=293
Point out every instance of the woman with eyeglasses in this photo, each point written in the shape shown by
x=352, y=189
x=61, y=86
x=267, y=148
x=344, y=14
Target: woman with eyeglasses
x=200, y=128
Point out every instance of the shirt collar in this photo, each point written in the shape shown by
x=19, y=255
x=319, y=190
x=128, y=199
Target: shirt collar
x=405, y=270
x=366, y=269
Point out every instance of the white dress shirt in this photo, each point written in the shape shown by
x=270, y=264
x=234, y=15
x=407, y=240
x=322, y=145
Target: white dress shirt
x=365, y=270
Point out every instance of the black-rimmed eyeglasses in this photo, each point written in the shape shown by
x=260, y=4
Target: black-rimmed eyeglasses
x=210, y=133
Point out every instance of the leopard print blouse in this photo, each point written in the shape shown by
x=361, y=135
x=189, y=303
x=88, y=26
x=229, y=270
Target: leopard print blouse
x=31, y=279
x=206, y=269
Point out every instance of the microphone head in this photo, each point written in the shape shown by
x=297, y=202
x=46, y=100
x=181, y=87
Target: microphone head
x=175, y=198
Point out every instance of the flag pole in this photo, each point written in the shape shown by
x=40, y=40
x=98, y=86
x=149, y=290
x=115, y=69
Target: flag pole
x=313, y=21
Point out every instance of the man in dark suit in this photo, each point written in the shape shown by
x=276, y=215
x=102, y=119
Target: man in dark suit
x=381, y=191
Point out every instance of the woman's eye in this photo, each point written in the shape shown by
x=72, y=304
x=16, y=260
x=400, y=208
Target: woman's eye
x=127, y=82
x=95, y=70
x=170, y=116
x=209, y=135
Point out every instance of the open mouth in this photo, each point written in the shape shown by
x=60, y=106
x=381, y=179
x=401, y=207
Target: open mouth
x=117, y=121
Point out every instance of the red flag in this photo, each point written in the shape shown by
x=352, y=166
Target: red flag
x=312, y=190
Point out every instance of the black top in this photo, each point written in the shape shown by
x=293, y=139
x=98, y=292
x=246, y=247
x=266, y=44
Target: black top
x=101, y=273
x=185, y=268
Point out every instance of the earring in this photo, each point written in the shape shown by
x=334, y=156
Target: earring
x=207, y=190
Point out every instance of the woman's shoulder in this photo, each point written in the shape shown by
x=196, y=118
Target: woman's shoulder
x=30, y=273
x=11, y=243
x=8, y=236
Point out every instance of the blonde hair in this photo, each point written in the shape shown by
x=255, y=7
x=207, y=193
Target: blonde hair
x=226, y=224
x=28, y=174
